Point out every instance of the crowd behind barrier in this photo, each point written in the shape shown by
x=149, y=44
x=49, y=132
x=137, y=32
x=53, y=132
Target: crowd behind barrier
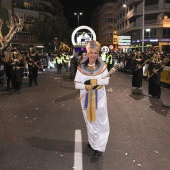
x=126, y=60
x=70, y=62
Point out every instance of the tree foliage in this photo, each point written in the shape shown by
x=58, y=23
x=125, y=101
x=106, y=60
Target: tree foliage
x=46, y=31
x=4, y=15
x=56, y=27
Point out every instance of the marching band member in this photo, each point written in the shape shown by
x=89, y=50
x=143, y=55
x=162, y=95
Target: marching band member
x=94, y=105
x=137, y=71
x=17, y=64
x=155, y=67
x=33, y=60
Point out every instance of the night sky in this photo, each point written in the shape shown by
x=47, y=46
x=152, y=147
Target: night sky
x=84, y=6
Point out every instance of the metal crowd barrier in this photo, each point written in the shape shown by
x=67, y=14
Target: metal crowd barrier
x=2, y=75
x=165, y=75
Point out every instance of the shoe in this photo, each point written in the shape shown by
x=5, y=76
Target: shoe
x=14, y=91
x=19, y=91
x=97, y=154
x=89, y=146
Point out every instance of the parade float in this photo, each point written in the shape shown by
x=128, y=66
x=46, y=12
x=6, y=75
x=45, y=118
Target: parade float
x=80, y=37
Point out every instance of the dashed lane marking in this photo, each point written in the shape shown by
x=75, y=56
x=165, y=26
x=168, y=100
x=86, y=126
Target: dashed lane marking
x=78, y=165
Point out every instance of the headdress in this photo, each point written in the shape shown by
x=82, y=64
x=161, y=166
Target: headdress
x=92, y=45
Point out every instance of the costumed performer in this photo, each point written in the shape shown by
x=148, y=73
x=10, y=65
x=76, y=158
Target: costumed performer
x=94, y=105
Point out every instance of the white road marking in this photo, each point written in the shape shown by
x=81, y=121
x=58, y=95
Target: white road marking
x=78, y=164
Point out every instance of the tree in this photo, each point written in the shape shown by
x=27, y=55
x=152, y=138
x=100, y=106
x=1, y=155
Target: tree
x=13, y=25
x=46, y=31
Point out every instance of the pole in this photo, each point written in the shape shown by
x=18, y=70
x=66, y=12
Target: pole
x=143, y=26
x=78, y=19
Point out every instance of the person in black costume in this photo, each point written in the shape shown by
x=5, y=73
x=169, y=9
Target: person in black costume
x=9, y=69
x=17, y=64
x=155, y=67
x=33, y=60
x=137, y=71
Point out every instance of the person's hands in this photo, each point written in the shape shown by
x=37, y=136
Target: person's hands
x=87, y=82
x=139, y=67
x=93, y=82
x=155, y=70
x=88, y=87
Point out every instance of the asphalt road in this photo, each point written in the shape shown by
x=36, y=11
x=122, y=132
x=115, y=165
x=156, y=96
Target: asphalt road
x=37, y=127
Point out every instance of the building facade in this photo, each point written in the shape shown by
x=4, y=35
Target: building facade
x=104, y=22
x=30, y=10
x=153, y=29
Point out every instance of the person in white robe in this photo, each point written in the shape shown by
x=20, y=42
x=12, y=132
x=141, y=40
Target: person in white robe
x=89, y=79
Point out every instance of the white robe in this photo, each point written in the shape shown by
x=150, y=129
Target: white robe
x=98, y=131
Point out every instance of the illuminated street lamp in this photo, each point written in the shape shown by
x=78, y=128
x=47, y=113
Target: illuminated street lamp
x=148, y=30
x=78, y=15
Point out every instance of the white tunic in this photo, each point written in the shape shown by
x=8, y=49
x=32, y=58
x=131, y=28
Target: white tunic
x=98, y=131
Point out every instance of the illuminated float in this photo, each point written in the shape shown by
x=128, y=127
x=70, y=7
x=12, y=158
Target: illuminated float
x=81, y=36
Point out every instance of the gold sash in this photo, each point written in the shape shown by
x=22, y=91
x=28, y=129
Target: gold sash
x=91, y=108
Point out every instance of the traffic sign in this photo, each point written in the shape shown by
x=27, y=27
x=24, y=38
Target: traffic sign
x=111, y=47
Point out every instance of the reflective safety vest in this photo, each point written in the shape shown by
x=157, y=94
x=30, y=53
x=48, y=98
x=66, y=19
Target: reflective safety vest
x=66, y=59
x=59, y=60
x=103, y=56
x=109, y=59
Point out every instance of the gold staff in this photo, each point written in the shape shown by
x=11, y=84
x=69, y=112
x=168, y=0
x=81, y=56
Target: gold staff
x=33, y=61
x=143, y=64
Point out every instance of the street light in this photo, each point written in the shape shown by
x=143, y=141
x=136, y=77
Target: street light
x=148, y=30
x=124, y=4
x=143, y=26
x=78, y=14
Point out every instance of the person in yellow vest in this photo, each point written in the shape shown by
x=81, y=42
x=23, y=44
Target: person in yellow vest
x=59, y=62
x=66, y=60
x=109, y=61
x=103, y=56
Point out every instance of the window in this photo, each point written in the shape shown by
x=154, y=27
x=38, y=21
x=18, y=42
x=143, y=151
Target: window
x=15, y=37
x=110, y=19
x=166, y=32
x=167, y=1
x=28, y=37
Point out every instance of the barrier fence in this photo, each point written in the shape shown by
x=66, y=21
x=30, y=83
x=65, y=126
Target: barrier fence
x=165, y=75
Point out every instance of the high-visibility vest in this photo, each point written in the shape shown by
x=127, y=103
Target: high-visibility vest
x=66, y=59
x=59, y=60
x=109, y=59
x=103, y=56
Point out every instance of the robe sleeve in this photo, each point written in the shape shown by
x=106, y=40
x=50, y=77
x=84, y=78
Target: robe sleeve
x=104, y=81
x=78, y=82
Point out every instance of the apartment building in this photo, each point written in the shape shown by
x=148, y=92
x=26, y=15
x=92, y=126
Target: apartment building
x=104, y=22
x=30, y=10
x=154, y=28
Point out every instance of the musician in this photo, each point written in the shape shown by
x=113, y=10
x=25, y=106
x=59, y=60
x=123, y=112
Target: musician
x=94, y=105
x=137, y=71
x=17, y=64
x=155, y=67
x=33, y=61
x=9, y=57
